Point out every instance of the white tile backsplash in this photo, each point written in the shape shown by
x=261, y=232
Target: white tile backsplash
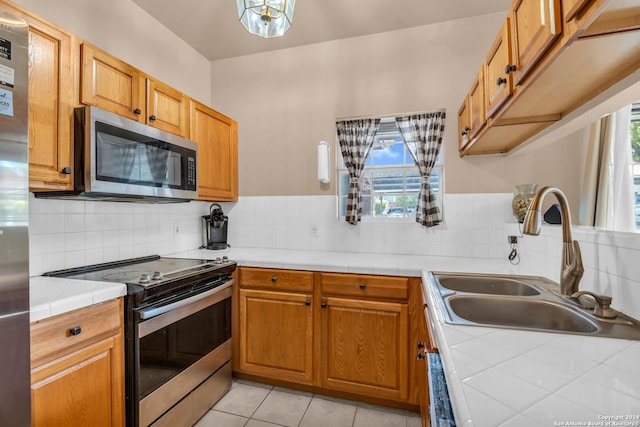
x=611, y=261
x=71, y=233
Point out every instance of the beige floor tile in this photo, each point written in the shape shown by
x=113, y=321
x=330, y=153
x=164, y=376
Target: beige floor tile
x=414, y=420
x=290, y=390
x=242, y=399
x=366, y=417
x=216, y=419
x=282, y=408
x=258, y=423
x=323, y=413
x=253, y=383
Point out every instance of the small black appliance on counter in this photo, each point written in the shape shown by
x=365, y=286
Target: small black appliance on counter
x=214, y=228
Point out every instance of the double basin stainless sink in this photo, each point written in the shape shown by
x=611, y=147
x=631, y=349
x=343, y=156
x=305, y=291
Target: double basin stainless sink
x=523, y=302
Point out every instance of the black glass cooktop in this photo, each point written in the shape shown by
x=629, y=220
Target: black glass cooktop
x=152, y=270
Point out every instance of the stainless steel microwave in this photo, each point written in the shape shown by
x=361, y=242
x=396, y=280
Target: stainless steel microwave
x=119, y=159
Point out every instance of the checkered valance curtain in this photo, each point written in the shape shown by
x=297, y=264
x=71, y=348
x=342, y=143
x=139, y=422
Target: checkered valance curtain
x=426, y=132
x=356, y=139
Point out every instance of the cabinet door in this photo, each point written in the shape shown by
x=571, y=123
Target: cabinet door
x=477, y=105
x=51, y=100
x=535, y=24
x=463, y=124
x=112, y=85
x=364, y=347
x=217, y=138
x=572, y=8
x=498, y=71
x=276, y=335
x=168, y=108
x=81, y=389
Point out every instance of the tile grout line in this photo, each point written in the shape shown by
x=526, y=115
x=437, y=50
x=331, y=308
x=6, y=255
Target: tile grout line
x=306, y=409
x=257, y=407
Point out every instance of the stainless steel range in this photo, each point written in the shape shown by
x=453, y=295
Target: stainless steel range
x=177, y=334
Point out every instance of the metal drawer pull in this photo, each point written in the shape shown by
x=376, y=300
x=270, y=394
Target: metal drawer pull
x=75, y=331
x=362, y=286
x=274, y=279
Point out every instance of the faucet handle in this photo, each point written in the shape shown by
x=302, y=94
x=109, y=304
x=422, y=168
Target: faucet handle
x=602, y=308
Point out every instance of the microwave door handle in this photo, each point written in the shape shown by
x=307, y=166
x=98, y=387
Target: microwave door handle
x=156, y=311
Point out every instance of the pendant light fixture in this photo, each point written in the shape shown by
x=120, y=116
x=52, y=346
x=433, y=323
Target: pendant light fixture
x=266, y=18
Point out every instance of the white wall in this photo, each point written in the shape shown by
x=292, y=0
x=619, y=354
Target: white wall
x=123, y=29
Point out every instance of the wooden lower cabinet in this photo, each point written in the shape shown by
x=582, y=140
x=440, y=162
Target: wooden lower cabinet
x=347, y=335
x=276, y=334
x=364, y=347
x=77, y=377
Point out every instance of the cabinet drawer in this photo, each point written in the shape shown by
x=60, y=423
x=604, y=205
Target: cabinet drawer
x=276, y=279
x=363, y=285
x=62, y=334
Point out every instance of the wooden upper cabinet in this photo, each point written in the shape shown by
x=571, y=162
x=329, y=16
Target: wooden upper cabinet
x=477, y=115
x=535, y=24
x=168, y=108
x=111, y=84
x=499, y=71
x=52, y=92
x=463, y=124
x=217, y=138
x=116, y=86
x=572, y=8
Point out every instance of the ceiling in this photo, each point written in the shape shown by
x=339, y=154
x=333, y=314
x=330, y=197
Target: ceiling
x=212, y=28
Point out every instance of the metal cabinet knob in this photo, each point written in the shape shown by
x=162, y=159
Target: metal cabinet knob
x=509, y=69
x=152, y=117
x=137, y=111
x=307, y=303
x=75, y=331
x=66, y=170
x=420, y=344
x=420, y=355
x=274, y=279
x=363, y=286
x=501, y=81
x=323, y=305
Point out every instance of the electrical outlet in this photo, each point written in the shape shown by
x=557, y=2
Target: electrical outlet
x=513, y=240
x=313, y=230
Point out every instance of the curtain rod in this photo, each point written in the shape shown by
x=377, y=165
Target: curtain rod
x=386, y=116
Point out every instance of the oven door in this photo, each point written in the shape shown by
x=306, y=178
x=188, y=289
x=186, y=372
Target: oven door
x=179, y=346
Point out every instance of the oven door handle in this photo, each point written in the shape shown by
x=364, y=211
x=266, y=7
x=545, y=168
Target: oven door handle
x=156, y=311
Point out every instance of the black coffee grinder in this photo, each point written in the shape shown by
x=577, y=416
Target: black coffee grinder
x=214, y=228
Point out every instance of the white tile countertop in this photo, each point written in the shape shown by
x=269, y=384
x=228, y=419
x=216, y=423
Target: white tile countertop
x=50, y=296
x=507, y=377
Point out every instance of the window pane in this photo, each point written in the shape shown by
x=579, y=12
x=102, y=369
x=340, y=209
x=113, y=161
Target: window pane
x=388, y=153
x=344, y=182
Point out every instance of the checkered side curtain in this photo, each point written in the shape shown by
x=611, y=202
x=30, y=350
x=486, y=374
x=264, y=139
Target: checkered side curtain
x=426, y=132
x=356, y=139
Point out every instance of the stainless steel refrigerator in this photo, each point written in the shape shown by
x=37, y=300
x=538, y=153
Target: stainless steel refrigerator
x=15, y=382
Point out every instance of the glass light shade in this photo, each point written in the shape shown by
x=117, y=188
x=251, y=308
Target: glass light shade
x=266, y=18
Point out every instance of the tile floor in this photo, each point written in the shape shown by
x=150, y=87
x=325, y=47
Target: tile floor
x=252, y=404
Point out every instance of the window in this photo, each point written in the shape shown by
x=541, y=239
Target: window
x=390, y=181
x=635, y=148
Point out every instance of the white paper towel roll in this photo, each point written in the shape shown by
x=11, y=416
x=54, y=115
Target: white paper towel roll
x=323, y=162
